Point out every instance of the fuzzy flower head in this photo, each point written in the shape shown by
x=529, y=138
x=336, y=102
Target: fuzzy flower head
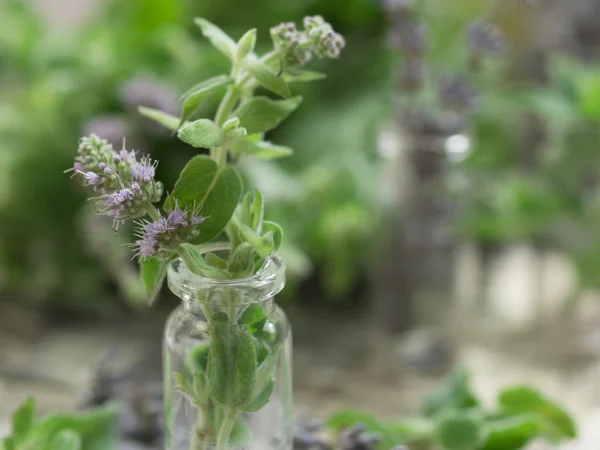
x=162, y=237
x=297, y=47
x=94, y=162
x=126, y=184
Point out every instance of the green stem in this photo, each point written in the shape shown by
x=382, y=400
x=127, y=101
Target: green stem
x=226, y=429
x=153, y=212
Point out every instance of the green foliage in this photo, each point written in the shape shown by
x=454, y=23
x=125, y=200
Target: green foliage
x=262, y=114
x=153, y=273
x=201, y=133
x=454, y=419
x=232, y=362
x=92, y=430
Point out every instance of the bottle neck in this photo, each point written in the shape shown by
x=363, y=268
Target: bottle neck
x=202, y=295
x=234, y=310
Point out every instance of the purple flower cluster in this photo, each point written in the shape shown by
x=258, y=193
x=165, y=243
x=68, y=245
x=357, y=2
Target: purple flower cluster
x=298, y=46
x=161, y=237
x=126, y=184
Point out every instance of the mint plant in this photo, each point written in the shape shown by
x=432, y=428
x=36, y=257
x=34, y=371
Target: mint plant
x=234, y=373
x=453, y=418
x=91, y=430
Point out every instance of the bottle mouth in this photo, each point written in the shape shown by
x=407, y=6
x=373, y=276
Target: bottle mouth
x=267, y=282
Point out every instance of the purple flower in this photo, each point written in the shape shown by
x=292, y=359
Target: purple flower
x=144, y=170
x=127, y=203
x=161, y=237
x=127, y=185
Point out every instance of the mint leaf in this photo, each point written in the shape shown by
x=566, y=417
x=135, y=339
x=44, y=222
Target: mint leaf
x=246, y=44
x=22, y=419
x=201, y=185
x=302, y=76
x=458, y=430
x=455, y=394
x=167, y=120
x=202, y=133
x=195, y=262
x=194, y=97
x=220, y=204
x=258, y=211
x=197, y=178
x=524, y=399
x=96, y=427
x=277, y=232
x=260, y=149
x=232, y=363
x=263, y=114
x=266, y=77
x=66, y=440
x=153, y=274
x=242, y=260
x=217, y=37
x=261, y=399
x=510, y=433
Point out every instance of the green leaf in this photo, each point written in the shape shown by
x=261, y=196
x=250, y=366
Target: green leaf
x=277, y=232
x=232, y=363
x=260, y=149
x=198, y=357
x=242, y=260
x=348, y=418
x=266, y=77
x=262, y=114
x=216, y=261
x=302, y=76
x=66, y=440
x=261, y=399
x=200, y=185
x=246, y=44
x=253, y=314
x=220, y=204
x=263, y=245
x=258, y=212
x=153, y=273
x=201, y=133
x=264, y=376
x=525, y=399
x=240, y=434
x=510, y=433
x=97, y=428
x=195, y=263
x=457, y=430
x=194, y=97
x=217, y=37
x=196, y=181
x=456, y=394
x=22, y=419
x=167, y=120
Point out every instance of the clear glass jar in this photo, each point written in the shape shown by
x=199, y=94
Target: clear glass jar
x=227, y=363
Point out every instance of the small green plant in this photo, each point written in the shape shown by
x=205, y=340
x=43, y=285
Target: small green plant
x=235, y=372
x=453, y=418
x=91, y=430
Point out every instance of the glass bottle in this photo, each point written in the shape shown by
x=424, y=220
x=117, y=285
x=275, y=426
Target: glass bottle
x=227, y=363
